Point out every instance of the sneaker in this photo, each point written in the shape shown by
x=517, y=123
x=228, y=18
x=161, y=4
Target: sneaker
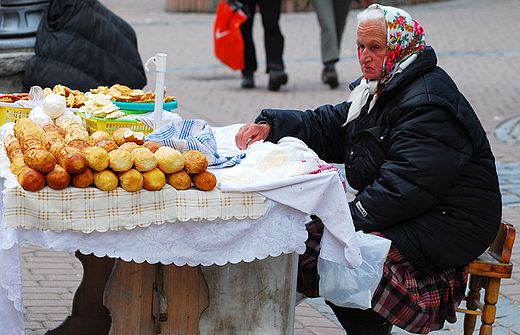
x=330, y=77
x=277, y=79
x=248, y=81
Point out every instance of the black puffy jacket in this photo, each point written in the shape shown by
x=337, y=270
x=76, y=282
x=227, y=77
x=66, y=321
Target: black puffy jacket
x=82, y=45
x=421, y=163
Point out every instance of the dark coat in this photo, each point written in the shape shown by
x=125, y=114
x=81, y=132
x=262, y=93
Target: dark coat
x=82, y=45
x=421, y=163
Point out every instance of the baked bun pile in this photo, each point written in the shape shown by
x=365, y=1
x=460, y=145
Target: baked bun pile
x=65, y=155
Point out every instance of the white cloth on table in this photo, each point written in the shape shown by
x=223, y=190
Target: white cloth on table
x=321, y=194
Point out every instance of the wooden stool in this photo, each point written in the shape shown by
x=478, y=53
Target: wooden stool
x=485, y=273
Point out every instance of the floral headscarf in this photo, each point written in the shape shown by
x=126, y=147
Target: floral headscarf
x=405, y=37
x=405, y=41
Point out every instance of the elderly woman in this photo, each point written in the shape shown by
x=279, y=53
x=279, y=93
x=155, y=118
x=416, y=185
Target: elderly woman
x=425, y=176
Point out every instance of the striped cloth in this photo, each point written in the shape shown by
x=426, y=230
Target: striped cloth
x=185, y=135
x=410, y=300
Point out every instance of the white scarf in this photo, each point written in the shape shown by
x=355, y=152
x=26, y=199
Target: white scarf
x=359, y=96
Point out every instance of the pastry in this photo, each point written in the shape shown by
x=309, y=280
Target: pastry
x=98, y=158
x=152, y=146
x=40, y=160
x=98, y=136
x=83, y=179
x=58, y=178
x=154, y=180
x=131, y=180
x=129, y=146
x=120, y=160
x=105, y=180
x=108, y=145
x=72, y=160
x=169, y=160
x=205, y=181
x=195, y=161
x=30, y=179
x=118, y=135
x=144, y=159
x=79, y=144
x=180, y=180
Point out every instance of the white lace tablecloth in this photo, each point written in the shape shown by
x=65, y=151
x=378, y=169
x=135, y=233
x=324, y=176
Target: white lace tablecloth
x=204, y=242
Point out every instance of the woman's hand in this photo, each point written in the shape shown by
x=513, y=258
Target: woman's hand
x=250, y=133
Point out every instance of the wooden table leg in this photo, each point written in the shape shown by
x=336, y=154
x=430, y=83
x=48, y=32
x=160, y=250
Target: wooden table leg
x=89, y=316
x=130, y=292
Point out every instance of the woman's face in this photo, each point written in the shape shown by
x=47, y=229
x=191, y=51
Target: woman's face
x=371, y=44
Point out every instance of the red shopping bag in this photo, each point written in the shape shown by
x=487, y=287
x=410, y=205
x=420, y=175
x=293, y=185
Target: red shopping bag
x=228, y=41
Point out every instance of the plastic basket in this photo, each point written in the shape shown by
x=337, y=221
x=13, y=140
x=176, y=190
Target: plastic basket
x=110, y=126
x=11, y=114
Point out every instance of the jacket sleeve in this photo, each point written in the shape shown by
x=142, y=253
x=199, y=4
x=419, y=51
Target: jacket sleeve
x=428, y=150
x=321, y=129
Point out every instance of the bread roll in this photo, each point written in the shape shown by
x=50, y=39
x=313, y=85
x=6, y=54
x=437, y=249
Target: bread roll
x=129, y=146
x=133, y=136
x=131, y=180
x=76, y=133
x=14, y=153
x=79, y=144
x=51, y=137
x=29, y=142
x=83, y=179
x=52, y=128
x=58, y=178
x=9, y=139
x=12, y=146
x=205, y=181
x=99, y=136
x=40, y=160
x=169, y=160
x=154, y=180
x=98, y=158
x=152, y=146
x=17, y=164
x=55, y=148
x=25, y=126
x=196, y=162
x=64, y=123
x=30, y=179
x=105, y=180
x=72, y=160
x=121, y=160
x=144, y=159
x=118, y=137
x=180, y=180
x=108, y=145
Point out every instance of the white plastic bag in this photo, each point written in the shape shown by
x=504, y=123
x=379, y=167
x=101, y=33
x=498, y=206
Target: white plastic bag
x=354, y=288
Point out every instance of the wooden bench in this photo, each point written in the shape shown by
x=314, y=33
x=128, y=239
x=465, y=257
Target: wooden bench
x=486, y=273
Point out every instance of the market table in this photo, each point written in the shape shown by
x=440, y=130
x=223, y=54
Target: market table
x=245, y=256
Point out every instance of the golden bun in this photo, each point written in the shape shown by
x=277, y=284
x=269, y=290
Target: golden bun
x=204, y=181
x=30, y=179
x=131, y=180
x=180, y=180
x=105, y=180
x=154, y=180
x=195, y=162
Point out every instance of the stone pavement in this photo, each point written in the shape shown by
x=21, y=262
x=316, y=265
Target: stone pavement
x=475, y=41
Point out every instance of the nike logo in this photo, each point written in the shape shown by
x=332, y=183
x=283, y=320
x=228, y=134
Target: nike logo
x=219, y=34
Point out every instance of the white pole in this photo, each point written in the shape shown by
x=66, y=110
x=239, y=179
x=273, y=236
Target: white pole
x=160, y=67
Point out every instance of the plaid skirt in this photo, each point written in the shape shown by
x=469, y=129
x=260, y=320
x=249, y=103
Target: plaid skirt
x=409, y=299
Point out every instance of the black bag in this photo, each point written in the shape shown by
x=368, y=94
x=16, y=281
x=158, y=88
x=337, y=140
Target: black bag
x=82, y=45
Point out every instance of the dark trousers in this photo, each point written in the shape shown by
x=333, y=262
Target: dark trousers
x=361, y=322
x=273, y=38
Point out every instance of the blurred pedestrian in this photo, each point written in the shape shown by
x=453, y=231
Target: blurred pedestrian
x=273, y=40
x=332, y=17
